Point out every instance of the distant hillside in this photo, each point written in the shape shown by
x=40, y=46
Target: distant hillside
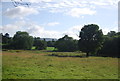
x=49, y=39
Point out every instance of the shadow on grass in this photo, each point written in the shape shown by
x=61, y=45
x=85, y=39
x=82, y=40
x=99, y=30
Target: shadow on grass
x=65, y=56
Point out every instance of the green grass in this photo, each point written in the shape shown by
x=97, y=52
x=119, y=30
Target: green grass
x=33, y=48
x=50, y=48
x=39, y=65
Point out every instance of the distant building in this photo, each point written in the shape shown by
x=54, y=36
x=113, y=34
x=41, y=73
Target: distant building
x=49, y=39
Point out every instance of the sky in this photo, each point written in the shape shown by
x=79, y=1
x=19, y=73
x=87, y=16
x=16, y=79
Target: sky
x=56, y=18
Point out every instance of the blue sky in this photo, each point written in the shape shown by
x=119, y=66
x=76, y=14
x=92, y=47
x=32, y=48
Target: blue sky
x=55, y=18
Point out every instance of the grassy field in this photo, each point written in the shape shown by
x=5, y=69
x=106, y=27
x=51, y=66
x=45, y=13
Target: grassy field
x=42, y=65
x=50, y=48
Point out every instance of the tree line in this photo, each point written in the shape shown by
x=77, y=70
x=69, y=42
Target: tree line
x=91, y=41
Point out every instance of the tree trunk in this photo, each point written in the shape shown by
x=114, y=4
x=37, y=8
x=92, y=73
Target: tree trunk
x=87, y=55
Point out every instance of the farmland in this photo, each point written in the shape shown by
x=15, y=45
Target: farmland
x=28, y=64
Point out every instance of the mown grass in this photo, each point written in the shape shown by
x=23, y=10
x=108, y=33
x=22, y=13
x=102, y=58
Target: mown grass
x=39, y=65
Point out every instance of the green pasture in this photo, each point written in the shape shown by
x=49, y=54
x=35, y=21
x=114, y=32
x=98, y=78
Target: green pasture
x=19, y=64
x=48, y=48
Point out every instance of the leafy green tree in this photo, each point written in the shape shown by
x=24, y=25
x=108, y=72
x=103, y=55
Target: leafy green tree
x=91, y=39
x=22, y=40
x=6, y=39
x=39, y=44
x=111, y=45
x=66, y=44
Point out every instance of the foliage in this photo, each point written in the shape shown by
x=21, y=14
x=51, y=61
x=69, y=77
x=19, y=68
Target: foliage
x=51, y=43
x=22, y=40
x=6, y=39
x=111, y=45
x=66, y=44
x=39, y=44
x=90, y=39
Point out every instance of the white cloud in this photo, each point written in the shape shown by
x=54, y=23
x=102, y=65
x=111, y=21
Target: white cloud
x=65, y=6
x=77, y=12
x=11, y=29
x=44, y=33
x=76, y=28
x=53, y=23
x=20, y=12
x=39, y=31
x=32, y=28
x=99, y=3
x=74, y=8
x=38, y=1
x=67, y=1
x=0, y=29
x=32, y=1
x=73, y=31
x=106, y=30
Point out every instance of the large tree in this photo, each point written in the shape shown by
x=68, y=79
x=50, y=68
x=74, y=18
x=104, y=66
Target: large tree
x=22, y=40
x=66, y=44
x=90, y=39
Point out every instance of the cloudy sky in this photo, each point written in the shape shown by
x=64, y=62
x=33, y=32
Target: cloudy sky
x=55, y=18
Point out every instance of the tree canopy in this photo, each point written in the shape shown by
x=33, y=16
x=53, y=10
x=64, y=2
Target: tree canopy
x=22, y=40
x=91, y=39
x=5, y=38
x=66, y=44
x=111, y=45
